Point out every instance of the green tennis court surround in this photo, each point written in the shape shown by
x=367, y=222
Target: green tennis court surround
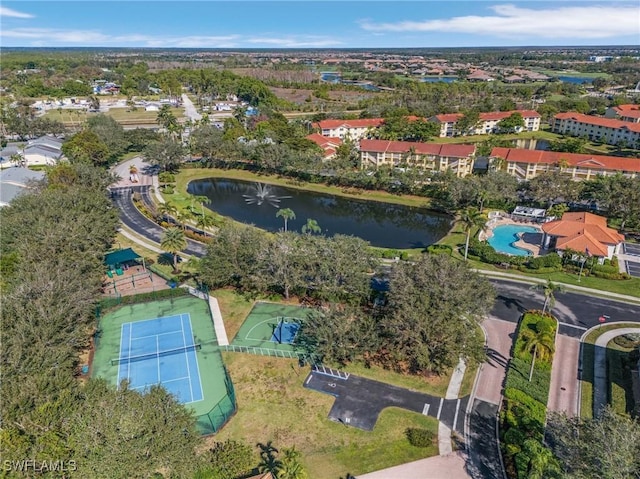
x=219, y=402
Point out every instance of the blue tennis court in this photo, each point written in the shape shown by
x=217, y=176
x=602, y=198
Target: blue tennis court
x=284, y=332
x=161, y=351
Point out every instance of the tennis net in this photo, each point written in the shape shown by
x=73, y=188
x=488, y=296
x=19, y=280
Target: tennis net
x=157, y=354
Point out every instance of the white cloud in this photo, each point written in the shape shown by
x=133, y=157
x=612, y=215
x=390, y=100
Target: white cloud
x=59, y=37
x=512, y=22
x=8, y=12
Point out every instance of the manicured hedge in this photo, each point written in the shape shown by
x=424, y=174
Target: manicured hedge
x=523, y=413
x=440, y=249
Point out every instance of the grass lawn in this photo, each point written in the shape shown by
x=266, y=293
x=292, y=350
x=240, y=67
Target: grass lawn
x=121, y=115
x=274, y=405
x=619, y=392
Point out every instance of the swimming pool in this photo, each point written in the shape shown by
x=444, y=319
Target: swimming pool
x=504, y=236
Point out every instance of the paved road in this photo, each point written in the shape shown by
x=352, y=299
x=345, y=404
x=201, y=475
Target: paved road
x=576, y=312
x=500, y=336
x=484, y=454
x=131, y=217
x=190, y=109
x=564, y=391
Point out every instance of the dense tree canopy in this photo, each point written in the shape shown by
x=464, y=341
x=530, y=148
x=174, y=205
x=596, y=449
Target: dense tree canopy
x=606, y=447
x=435, y=305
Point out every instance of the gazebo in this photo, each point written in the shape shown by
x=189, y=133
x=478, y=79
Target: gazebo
x=123, y=257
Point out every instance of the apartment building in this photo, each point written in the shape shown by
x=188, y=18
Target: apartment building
x=595, y=128
x=427, y=156
x=348, y=129
x=487, y=124
x=629, y=112
x=527, y=164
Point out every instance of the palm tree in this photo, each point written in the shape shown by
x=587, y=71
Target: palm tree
x=540, y=344
x=268, y=460
x=184, y=216
x=290, y=467
x=205, y=221
x=286, y=214
x=549, y=290
x=470, y=218
x=167, y=209
x=312, y=226
x=173, y=241
x=202, y=200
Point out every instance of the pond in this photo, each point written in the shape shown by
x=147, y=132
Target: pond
x=381, y=224
x=575, y=80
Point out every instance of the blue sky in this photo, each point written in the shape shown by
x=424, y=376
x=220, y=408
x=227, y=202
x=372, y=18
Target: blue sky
x=312, y=24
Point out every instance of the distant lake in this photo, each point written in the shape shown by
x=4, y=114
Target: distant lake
x=576, y=80
x=381, y=224
x=438, y=79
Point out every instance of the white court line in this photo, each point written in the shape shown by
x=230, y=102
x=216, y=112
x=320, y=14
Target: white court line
x=440, y=408
x=246, y=336
x=455, y=417
x=158, y=358
x=120, y=351
x=195, y=355
x=129, y=352
x=176, y=379
x=186, y=357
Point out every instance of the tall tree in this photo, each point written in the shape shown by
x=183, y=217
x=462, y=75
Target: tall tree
x=291, y=467
x=470, y=218
x=286, y=214
x=86, y=147
x=540, y=344
x=434, y=307
x=166, y=153
x=549, y=290
x=173, y=241
x=605, y=447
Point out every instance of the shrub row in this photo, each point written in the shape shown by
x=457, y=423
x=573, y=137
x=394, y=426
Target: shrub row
x=440, y=249
x=484, y=252
x=523, y=413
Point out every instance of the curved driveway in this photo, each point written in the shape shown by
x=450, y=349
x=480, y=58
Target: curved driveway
x=143, y=226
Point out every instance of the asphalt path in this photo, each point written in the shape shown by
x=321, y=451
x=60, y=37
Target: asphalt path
x=576, y=312
x=143, y=226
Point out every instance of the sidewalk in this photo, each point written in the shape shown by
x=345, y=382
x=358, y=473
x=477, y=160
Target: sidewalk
x=600, y=389
x=529, y=280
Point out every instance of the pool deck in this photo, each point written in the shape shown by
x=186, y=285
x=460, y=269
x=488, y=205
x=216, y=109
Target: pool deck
x=535, y=249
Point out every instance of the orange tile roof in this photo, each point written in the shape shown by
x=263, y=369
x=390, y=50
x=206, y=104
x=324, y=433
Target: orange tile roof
x=437, y=149
x=598, y=121
x=579, y=160
x=579, y=231
x=322, y=141
x=626, y=108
